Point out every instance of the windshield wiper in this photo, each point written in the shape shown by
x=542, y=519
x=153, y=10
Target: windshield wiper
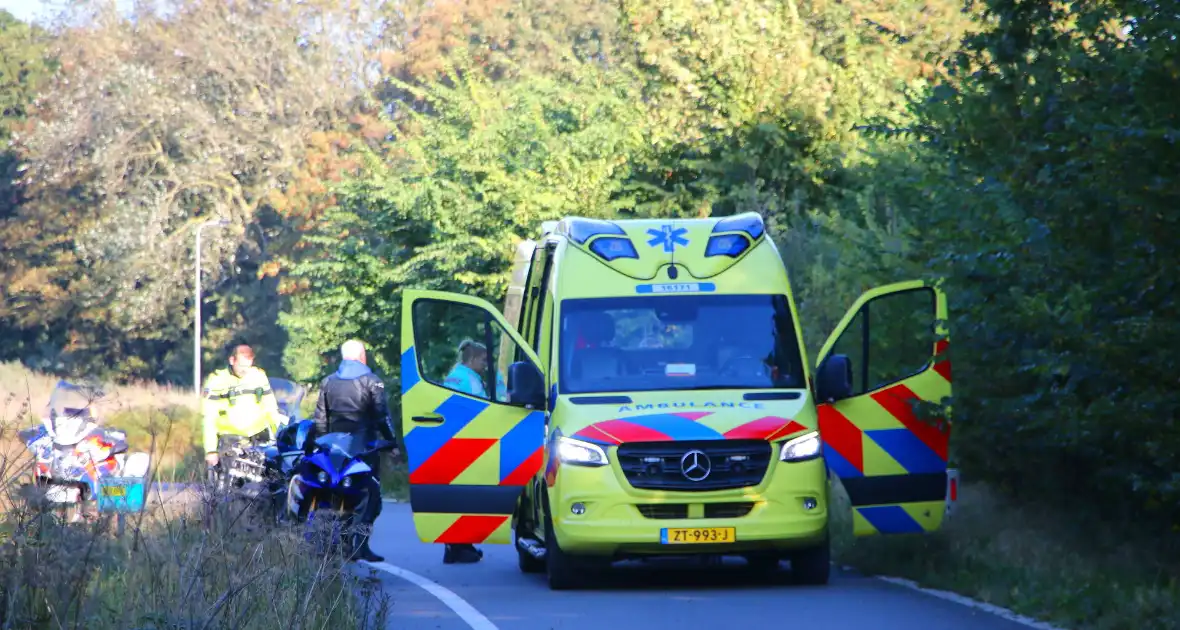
x=697, y=388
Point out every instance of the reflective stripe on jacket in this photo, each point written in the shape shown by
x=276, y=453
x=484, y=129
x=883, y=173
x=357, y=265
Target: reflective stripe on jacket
x=237, y=406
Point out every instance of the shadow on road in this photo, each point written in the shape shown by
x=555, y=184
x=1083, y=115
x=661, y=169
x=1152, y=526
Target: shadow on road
x=662, y=574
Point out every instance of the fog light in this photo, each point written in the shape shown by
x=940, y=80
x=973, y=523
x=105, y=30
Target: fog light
x=809, y=503
x=578, y=509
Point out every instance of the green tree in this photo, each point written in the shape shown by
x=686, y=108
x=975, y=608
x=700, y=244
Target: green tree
x=445, y=206
x=25, y=65
x=153, y=126
x=1055, y=218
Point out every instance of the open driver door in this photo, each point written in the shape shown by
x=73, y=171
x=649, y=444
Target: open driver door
x=474, y=436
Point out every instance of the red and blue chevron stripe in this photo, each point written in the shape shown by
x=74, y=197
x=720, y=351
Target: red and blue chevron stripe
x=669, y=427
x=436, y=456
x=917, y=446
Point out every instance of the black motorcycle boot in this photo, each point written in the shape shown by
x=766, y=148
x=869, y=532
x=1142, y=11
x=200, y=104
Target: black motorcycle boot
x=462, y=554
x=363, y=552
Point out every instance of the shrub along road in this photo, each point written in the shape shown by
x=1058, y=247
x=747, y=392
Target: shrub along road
x=495, y=594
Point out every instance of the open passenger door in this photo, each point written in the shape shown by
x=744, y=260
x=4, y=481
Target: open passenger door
x=474, y=431
x=883, y=363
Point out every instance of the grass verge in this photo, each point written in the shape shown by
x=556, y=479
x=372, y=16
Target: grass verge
x=193, y=561
x=1061, y=568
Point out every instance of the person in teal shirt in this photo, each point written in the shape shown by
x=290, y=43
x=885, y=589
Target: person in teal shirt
x=467, y=375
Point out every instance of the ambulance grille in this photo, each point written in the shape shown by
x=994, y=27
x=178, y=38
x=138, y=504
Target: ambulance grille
x=664, y=510
x=728, y=510
x=731, y=464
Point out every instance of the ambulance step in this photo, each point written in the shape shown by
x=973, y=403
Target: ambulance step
x=532, y=547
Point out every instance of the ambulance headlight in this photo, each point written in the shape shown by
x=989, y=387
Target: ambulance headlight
x=579, y=453
x=802, y=448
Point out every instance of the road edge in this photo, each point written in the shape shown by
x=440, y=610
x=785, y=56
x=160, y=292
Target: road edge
x=949, y=596
x=466, y=611
x=962, y=600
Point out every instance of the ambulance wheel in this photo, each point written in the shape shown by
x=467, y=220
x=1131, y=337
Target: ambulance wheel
x=562, y=570
x=812, y=566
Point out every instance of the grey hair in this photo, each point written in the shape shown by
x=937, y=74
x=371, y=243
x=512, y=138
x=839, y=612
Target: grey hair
x=469, y=348
x=352, y=350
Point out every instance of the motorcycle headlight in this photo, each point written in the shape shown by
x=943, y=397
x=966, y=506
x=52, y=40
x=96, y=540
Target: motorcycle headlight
x=802, y=448
x=347, y=483
x=580, y=453
x=322, y=477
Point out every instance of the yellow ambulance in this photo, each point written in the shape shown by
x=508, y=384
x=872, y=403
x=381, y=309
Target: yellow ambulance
x=646, y=392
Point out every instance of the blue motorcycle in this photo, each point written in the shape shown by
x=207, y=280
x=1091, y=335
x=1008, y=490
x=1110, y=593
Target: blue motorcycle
x=280, y=460
x=333, y=487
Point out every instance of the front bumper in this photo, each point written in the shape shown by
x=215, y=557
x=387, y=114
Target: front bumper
x=618, y=520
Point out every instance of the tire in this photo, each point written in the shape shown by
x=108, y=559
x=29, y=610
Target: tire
x=562, y=570
x=812, y=566
x=524, y=560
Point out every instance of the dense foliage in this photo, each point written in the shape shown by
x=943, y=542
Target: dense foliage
x=1027, y=152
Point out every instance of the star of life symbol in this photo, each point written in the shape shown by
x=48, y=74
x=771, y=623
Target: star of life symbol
x=669, y=237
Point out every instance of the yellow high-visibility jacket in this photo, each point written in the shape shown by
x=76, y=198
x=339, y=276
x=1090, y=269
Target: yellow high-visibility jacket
x=237, y=406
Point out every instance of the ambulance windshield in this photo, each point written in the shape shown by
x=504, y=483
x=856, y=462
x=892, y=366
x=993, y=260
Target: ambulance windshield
x=678, y=342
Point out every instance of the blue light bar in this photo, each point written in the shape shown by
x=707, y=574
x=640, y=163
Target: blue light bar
x=748, y=222
x=731, y=245
x=611, y=247
x=582, y=230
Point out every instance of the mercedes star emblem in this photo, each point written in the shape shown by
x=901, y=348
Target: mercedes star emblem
x=695, y=466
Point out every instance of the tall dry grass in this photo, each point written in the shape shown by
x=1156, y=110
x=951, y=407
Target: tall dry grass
x=19, y=385
x=190, y=560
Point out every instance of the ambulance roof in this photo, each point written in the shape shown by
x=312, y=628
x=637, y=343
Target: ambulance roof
x=640, y=248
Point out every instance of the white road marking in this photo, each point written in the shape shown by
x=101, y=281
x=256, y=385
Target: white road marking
x=971, y=603
x=464, y=610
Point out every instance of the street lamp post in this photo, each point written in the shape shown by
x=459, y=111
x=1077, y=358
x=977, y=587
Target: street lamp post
x=197, y=305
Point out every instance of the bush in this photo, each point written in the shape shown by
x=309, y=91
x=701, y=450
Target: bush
x=1067, y=568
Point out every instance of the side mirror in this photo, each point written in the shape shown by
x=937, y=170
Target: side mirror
x=526, y=385
x=833, y=380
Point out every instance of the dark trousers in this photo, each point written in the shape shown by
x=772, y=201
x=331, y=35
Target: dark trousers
x=373, y=507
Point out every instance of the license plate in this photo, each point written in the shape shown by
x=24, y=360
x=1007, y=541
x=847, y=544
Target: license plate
x=114, y=491
x=697, y=535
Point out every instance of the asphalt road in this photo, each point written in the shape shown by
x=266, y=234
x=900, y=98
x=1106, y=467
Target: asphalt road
x=639, y=596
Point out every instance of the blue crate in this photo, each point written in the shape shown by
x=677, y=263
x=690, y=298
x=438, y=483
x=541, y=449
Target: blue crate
x=122, y=494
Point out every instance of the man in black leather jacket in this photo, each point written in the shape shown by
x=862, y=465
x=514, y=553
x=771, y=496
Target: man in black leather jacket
x=352, y=400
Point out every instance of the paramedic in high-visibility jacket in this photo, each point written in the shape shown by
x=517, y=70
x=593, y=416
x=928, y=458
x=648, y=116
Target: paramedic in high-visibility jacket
x=237, y=400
